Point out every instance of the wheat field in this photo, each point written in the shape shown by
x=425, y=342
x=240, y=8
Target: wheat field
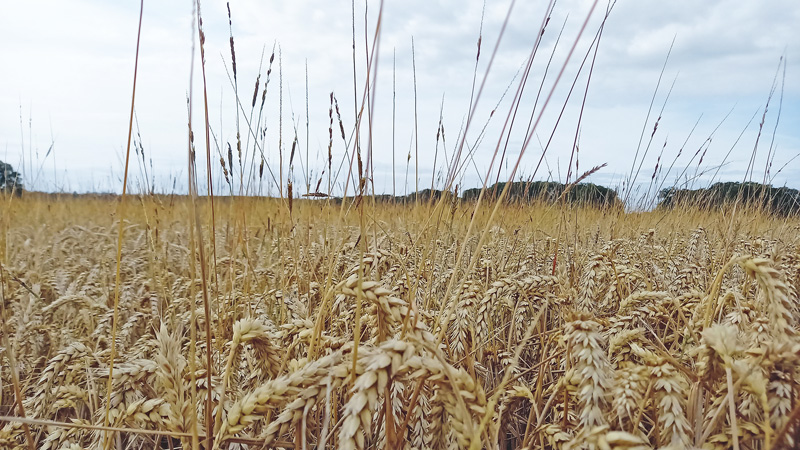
x=396, y=326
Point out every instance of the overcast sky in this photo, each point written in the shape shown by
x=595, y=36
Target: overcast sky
x=67, y=69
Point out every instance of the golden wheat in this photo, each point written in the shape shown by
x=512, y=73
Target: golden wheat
x=655, y=335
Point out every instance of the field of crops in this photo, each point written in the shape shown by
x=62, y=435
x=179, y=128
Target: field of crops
x=317, y=325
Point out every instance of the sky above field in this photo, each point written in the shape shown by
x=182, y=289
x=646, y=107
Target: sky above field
x=65, y=91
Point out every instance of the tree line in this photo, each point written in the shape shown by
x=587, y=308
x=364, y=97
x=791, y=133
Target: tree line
x=781, y=201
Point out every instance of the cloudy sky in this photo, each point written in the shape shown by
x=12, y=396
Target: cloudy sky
x=68, y=66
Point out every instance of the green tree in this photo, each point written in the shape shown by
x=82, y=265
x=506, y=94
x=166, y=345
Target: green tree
x=781, y=201
x=10, y=179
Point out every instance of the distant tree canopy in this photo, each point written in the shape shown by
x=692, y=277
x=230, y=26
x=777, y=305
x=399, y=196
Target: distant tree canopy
x=10, y=180
x=585, y=194
x=524, y=192
x=782, y=201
